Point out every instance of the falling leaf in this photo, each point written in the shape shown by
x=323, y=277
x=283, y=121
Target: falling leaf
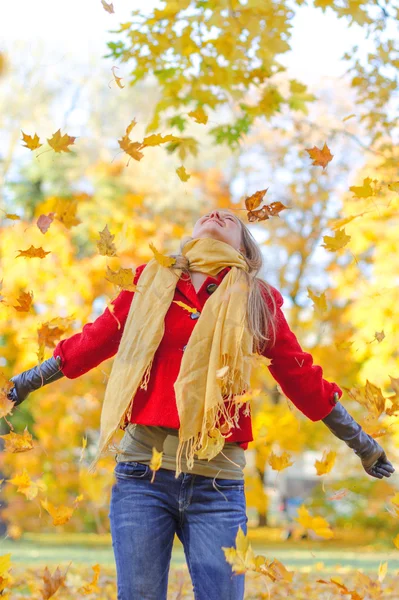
x=325, y=465
x=117, y=79
x=183, y=175
x=165, y=261
x=220, y=373
x=156, y=139
x=320, y=302
x=278, y=463
x=31, y=142
x=394, y=187
x=61, y=514
x=44, y=222
x=106, y=246
x=123, y=278
x=12, y=217
x=353, y=594
x=255, y=200
x=336, y=243
x=185, y=306
x=322, y=157
x=382, y=571
x=26, y=486
x=396, y=541
x=60, y=143
x=365, y=190
x=317, y=524
x=15, y=442
x=25, y=300
x=199, y=115
x=339, y=494
x=33, y=252
x=379, y=336
x=348, y=117
x=92, y=587
x=109, y=8
x=155, y=462
x=369, y=396
x=214, y=443
x=270, y=210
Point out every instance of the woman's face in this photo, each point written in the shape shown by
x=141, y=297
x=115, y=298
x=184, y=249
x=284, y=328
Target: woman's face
x=220, y=225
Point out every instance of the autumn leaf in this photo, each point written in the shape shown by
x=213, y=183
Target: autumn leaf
x=25, y=300
x=52, y=583
x=123, y=278
x=60, y=143
x=26, y=486
x=15, y=442
x=316, y=524
x=12, y=217
x=220, y=373
x=60, y=514
x=364, y=191
x=183, y=175
x=199, y=115
x=33, y=252
x=348, y=117
x=279, y=463
x=109, y=8
x=184, y=147
x=270, y=210
x=213, y=445
x=370, y=396
x=339, y=494
x=155, y=462
x=320, y=302
x=164, y=261
x=394, y=187
x=185, y=306
x=322, y=157
x=117, y=79
x=353, y=594
x=92, y=587
x=44, y=222
x=327, y=462
x=106, y=246
x=65, y=210
x=31, y=142
x=337, y=242
x=156, y=139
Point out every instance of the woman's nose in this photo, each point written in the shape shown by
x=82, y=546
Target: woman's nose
x=214, y=213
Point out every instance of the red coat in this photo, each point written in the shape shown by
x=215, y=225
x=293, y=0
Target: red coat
x=301, y=381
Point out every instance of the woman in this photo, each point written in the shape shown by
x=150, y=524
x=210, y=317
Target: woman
x=184, y=348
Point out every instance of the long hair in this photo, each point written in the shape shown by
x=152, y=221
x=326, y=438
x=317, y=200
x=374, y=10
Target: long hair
x=260, y=316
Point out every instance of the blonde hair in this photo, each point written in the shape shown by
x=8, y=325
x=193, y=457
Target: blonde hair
x=261, y=318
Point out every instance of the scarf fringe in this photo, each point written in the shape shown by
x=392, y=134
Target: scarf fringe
x=146, y=376
x=212, y=423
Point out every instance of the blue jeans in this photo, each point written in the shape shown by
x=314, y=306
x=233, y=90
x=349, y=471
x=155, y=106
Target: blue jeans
x=145, y=516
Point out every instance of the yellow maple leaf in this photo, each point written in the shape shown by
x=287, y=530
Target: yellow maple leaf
x=33, y=252
x=15, y=442
x=26, y=486
x=382, y=571
x=123, y=278
x=183, y=176
x=156, y=138
x=31, y=142
x=337, y=242
x=365, y=190
x=199, y=115
x=394, y=187
x=25, y=300
x=105, y=246
x=321, y=157
x=317, y=524
x=320, y=302
x=108, y=7
x=165, y=261
x=60, y=143
x=396, y=541
x=61, y=514
x=214, y=443
x=369, y=396
x=325, y=465
x=278, y=463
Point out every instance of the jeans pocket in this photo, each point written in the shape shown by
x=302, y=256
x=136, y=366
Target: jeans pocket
x=230, y=484
x=131, y=470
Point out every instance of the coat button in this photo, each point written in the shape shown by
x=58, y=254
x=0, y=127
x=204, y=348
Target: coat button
x=335, y=397
x=184, y=347
x=211, y=287
x=195, y=315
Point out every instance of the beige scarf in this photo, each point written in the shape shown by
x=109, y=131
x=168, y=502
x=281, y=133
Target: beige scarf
x=215, y=366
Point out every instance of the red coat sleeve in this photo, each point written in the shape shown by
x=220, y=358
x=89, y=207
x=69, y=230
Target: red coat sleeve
x=293, y=369
x=97, y=341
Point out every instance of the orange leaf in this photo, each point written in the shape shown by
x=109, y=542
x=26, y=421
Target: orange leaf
x=321, y=157
x=60, y=143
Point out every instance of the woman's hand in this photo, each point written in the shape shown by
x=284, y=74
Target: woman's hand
x=372, y=455
x=32, y=379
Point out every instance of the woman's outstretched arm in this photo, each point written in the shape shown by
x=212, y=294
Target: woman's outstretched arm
x=81, y=352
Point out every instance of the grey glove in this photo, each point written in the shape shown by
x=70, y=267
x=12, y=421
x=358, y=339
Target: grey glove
x=32, y=379
x=372, y=455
